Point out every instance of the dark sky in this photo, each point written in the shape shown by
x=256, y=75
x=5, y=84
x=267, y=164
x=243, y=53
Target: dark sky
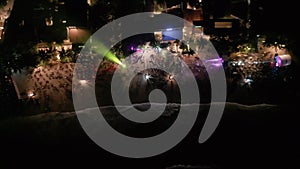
x=281, y=17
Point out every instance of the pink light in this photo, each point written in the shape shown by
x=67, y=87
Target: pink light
x=139, y=50
x=215, y=60
x=217, y=64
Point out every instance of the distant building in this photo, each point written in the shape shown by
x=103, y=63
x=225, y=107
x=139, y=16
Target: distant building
x=78, y=35
x=209, y=16
x=49, y=21
x=218, y=18
x=181, y=9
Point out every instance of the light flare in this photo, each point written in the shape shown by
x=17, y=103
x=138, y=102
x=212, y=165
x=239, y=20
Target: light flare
x=104, y=51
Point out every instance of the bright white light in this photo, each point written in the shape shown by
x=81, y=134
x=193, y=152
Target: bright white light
x=169, y=29
x=157, y=12
x=30, y=94
x=72, y=27
x=57, y=57
x=159, y=49
x=83, y=82
x=248, y=80
x=147, y=76
x=89, y=2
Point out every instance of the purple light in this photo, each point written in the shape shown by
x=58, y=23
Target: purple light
x=132, y=48
x=217, y=64
x=215, y=60
x=278, y=61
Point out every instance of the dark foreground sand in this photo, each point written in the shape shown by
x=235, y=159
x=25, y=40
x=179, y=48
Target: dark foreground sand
x=257, y=136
